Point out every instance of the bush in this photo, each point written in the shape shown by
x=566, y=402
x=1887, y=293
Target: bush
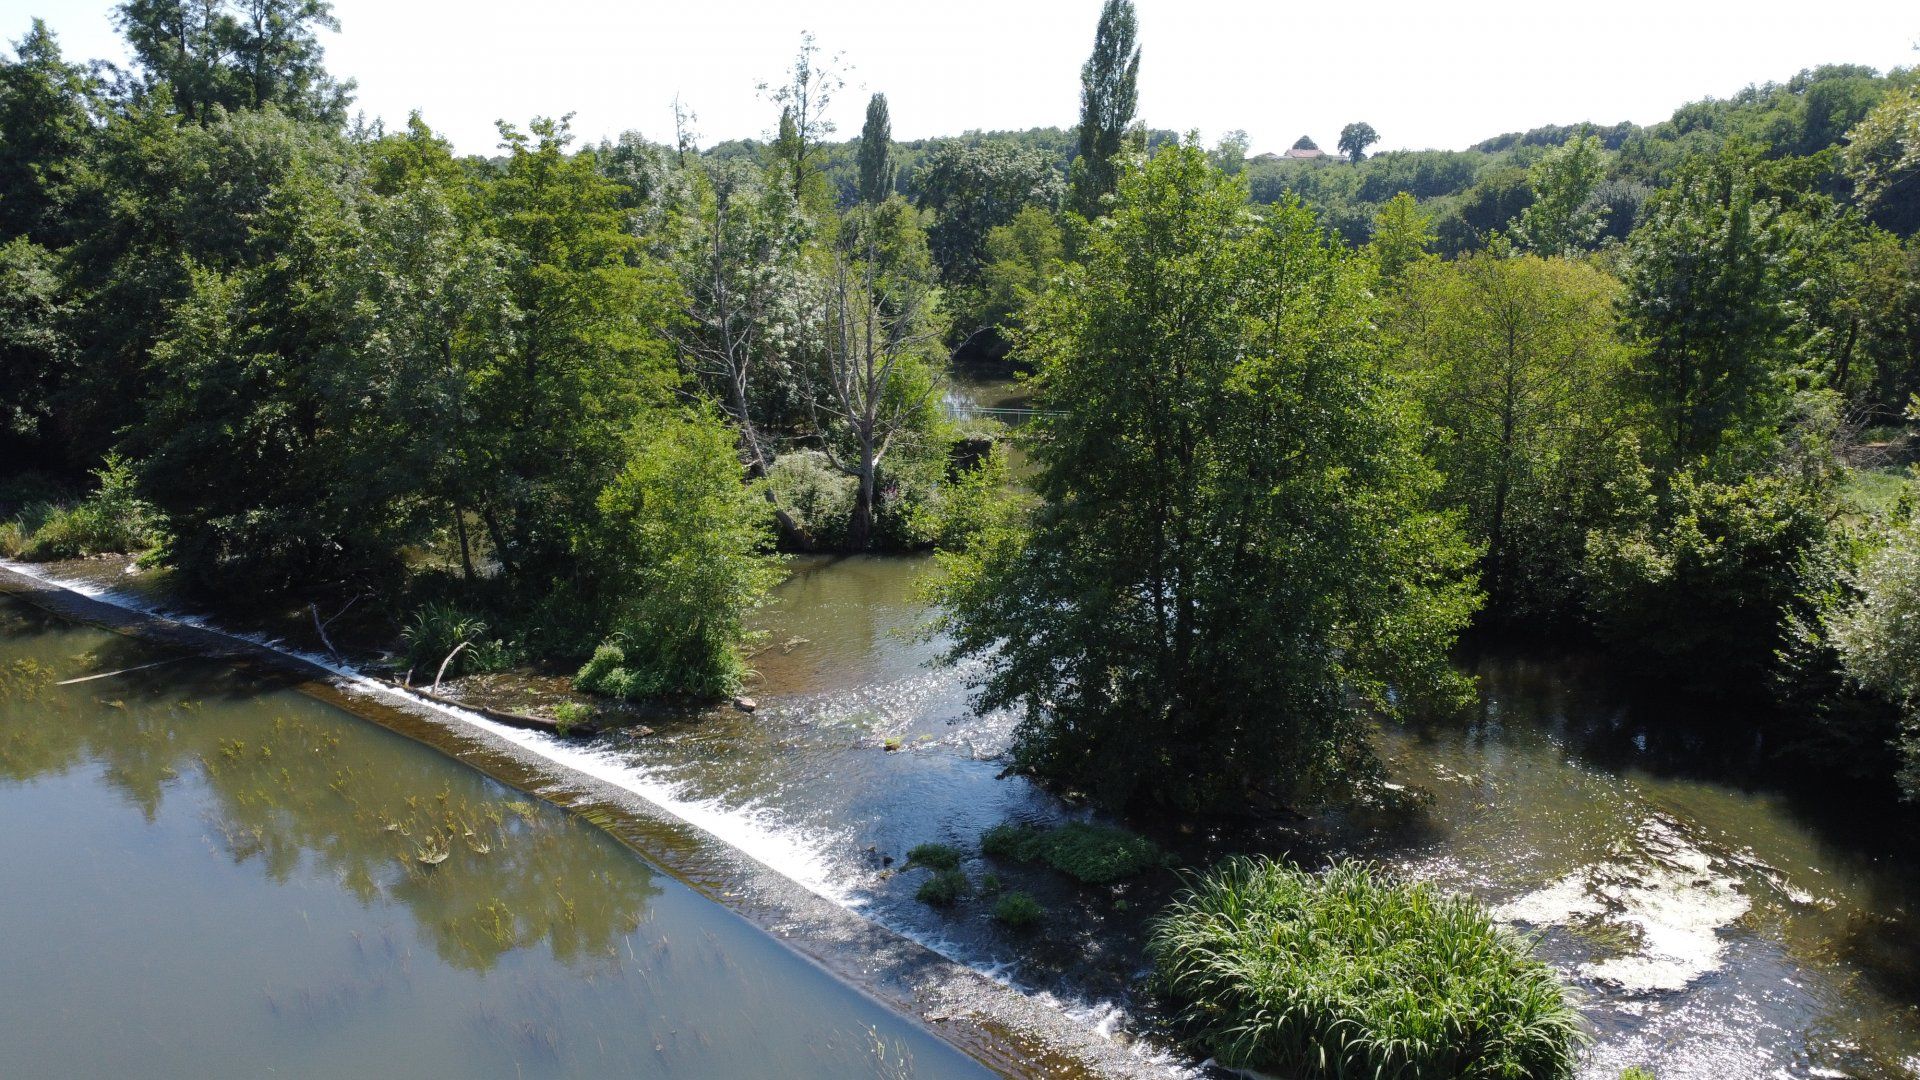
x=1878, y=638
x=1709, y=597
x=819, y=496
x=935, y=857
x=679, y=558
x=1349, y=974
x=1094, y=854
x=1018, y=910
x=111, y=520
x=436, y=630
x=13, y=539
x=944, y=889
x=568, y=715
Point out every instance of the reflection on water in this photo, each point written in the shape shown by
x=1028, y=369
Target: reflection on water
x=209, y=875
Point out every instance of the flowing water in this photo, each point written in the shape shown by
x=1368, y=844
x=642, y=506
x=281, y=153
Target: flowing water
x=1713, y=930
x=209, y=873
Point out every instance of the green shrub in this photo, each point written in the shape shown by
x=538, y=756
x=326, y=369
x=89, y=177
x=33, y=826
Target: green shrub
x=1018, y=910
x=13, y=539
x=1094, y=854
x=1347, y=973
x=944, y=888
x=935, y=856
x=1708, y=597
x=1635, y=1072
x=819, y=496
x=568, y=715
x=679, y=557
x=111, y=520
x=435, y=630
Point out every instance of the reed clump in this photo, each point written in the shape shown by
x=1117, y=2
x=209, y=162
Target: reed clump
x=1348, y=973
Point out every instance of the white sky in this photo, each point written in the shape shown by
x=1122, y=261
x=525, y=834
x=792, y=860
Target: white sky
x=1424, y=74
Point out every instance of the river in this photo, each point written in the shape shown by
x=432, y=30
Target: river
x=209, y=873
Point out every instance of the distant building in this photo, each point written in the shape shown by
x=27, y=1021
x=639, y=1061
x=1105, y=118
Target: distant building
x=1305, y=148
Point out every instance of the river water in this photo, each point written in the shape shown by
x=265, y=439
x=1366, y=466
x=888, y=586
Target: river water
x=1714, y=930
x=207, y=873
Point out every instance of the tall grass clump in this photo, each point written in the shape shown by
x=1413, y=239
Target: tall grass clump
x=1349, y=974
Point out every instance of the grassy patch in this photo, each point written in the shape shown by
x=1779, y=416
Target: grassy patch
x=1094, y=854
x=944, y=889
x=935, y=857
x=1875, y=492
x=1350, y=974
x=1018, y=910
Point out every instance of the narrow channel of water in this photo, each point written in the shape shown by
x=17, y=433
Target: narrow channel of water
x=208, y=873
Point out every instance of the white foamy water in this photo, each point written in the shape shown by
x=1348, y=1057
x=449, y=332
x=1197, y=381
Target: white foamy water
x=1671, y=899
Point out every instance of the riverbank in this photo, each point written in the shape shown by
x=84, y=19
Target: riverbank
x=719, y=855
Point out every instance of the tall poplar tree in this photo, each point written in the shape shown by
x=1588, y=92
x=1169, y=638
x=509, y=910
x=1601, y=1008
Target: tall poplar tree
x=876, y=152
x=1109, y=97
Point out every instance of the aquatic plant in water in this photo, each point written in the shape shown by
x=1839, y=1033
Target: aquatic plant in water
x=1349, y=973
x=1093, y=854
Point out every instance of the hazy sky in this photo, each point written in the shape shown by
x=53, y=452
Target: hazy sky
x=1424, y=74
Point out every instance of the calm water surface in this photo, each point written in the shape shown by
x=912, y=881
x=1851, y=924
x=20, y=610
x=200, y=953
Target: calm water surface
x=205, y=874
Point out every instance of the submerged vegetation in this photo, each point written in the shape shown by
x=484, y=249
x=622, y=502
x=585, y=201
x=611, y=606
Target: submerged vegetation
x=1347, y=973
x=1091, y=854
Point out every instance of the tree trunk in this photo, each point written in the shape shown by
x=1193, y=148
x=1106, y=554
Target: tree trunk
x=460, y=526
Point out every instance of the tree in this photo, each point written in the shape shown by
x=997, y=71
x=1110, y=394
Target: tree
x=1402, y=237
x=1109, y=96
x=1518, y=366
x=1878, y=637
x=812, y=82
x=1562, y=219
x=46, y=128
x=1882, y=154
x=1305, y=142
x=680, y=545
x=1230, y=155
x=36, y=351
x=1707, y=298
x=1023, y=257
x=876, y=153
x=1235, y=547
x=743, y=302
x=236, y=54
x=1354, y=140
x=879, y=343
x=584, y=360
x=972, y=189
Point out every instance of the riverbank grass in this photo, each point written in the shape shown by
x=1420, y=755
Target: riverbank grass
x=1348, y=973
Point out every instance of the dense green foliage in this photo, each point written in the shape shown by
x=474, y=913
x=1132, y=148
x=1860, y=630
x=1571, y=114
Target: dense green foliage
x=1234, y=545
x=1347, y=974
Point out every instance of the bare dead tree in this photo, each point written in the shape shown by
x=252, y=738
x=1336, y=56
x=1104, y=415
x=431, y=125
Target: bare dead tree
x=870, y=333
